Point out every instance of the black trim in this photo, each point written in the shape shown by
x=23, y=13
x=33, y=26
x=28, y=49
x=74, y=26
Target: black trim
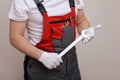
x=40, y=6
x=72, y=3
x=52, y=22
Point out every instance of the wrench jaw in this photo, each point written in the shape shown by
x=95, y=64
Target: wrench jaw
x=85, y=34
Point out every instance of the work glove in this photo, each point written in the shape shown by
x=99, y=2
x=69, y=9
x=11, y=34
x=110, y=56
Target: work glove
x=90, y=32
x=50, y=60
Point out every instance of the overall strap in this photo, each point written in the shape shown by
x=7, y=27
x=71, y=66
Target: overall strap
x=72, y=3
x=40, y=6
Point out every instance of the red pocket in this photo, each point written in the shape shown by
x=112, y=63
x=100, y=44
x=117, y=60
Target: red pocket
x=56, y=31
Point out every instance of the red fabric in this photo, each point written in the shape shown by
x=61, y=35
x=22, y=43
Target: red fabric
x=51, y=31
x=46, y=42
x=73, y=13
x=57, y=30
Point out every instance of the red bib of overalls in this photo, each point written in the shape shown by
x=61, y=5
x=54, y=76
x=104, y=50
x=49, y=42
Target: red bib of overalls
x=53, y=27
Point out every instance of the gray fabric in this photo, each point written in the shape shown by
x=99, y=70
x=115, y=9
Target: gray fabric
x=67, y=71
x=67, y=38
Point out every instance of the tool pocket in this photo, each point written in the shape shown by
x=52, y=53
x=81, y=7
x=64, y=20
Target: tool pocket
x=68, y=36
x=56, y=31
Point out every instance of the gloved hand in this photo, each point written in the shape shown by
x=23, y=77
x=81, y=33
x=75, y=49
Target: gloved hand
x=90, y=32
x=50, y=60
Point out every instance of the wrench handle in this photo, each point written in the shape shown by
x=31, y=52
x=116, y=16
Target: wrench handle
x=70, y=46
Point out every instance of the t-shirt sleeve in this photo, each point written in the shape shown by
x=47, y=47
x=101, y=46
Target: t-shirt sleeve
x=79, y=4
x=18, y=10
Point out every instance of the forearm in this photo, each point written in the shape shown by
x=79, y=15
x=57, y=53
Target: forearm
x=17, y=39
x=82, y=22
x=23, y=45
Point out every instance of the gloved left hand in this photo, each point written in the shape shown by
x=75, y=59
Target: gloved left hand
x=90, y=32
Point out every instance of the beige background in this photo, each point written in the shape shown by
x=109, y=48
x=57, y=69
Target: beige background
x=98, y=60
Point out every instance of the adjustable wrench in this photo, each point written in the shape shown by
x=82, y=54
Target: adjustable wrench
x=83, y=35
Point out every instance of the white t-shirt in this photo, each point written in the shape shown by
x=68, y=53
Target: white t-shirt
x=22, y=10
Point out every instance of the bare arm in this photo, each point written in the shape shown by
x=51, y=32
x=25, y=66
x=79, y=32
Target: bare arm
x=82, y=22
x=17, y=39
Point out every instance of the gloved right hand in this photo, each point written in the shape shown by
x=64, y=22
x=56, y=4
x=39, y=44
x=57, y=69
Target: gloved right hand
x=90, y=32
x=50, y=60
